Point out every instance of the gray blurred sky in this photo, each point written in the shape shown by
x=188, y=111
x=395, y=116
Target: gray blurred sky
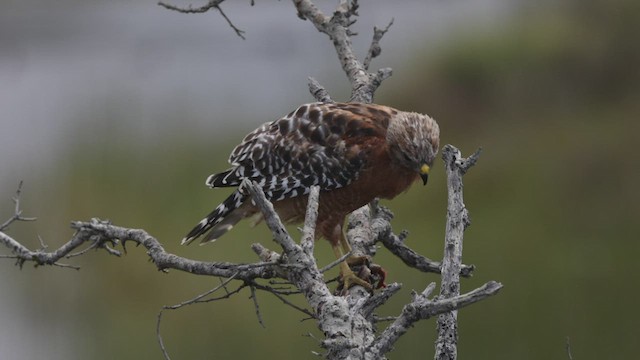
x=63, y=63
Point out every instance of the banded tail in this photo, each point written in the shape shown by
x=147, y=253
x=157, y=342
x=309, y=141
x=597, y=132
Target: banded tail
x=224, y=179
x=219, y=221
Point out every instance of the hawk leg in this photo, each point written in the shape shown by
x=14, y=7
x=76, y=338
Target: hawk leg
x=352, y=260
x=375, y=272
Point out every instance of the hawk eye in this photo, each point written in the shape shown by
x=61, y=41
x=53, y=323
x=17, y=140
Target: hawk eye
x=406, y=157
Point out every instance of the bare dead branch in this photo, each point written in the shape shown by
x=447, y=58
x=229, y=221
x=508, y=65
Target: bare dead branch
x=271, y=218
x=421, y=308
x=305, y=276
x=195, y=300
x=256, y=305
x=279, y=294
x=338, y=322
x=190, y=9
x=68, y=266
x=359, y=232
x=342, y=319
x=464, y=164
x=381, y=227
x=379, y=298
x=363, y=83
x=17, y=212
x=265, y=254
x=567, y=347
x=213, y=4
x=374, y=48
x=377, y=319
x=457, y=221
x=238, y=32
x=335, y=262
x=318, y=91
x=82, y=252
x=100, y=233
x=310, y=219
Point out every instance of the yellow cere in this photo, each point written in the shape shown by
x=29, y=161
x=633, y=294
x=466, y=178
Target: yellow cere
x=424, y=169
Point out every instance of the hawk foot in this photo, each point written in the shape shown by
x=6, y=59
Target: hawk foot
x=348, y=279
x=373, y=273
x=368, y=275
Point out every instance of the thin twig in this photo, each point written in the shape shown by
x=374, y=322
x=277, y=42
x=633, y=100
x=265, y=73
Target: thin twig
x=198, y=298
x=319, y=92
x=279, y=282
x=256, y=305
x=279, y=295
x=194, y=300
x=165, y=354
x=67, y=266
x=284, y=290
x=411, y=258
x=223, y=283
x=43, y=246
x=375, y=49
x=82, y=252
x=377, y=319
x=213, y=4
x=335, y=263
x=17, y=212
x=191, y=10
x=271, y=218
x=568, y=348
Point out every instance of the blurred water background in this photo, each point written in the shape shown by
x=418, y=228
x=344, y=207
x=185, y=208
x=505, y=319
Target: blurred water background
x=120, y=109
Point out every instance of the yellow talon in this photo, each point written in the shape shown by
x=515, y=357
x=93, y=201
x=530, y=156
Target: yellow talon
x=349, y=279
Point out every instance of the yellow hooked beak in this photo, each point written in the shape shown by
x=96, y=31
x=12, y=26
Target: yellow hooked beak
x=424, y=173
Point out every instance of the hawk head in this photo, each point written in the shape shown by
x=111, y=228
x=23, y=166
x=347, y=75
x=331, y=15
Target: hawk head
x=413, y=141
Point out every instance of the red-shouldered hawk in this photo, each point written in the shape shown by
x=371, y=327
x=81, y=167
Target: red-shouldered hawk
x=354, y=152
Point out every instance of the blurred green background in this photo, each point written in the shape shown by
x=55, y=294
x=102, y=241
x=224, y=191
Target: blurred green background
x=550, y=91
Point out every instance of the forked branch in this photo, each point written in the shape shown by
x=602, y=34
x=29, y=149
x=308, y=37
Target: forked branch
x=337, y=27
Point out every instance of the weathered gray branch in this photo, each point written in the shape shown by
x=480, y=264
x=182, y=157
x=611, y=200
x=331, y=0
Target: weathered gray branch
x=335, y=316
x=374, y=48
x=457, y=222
x=363, y=83
x=212, y=4
x=103, y=235
x=319, y=92
x=382, y=231
x=421, y=308
x=17, y=212
x=348, y=322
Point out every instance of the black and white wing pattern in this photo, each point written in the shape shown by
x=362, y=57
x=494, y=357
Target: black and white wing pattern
x=316, y=144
